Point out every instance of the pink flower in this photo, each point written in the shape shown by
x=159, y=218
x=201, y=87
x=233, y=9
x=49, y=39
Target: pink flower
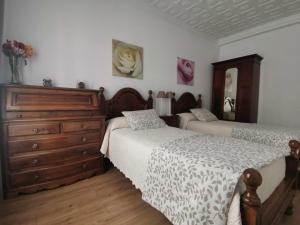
x=185, y=70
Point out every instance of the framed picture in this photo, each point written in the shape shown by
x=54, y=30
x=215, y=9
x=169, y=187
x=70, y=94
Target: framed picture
x=185, y=71
x=127, y=60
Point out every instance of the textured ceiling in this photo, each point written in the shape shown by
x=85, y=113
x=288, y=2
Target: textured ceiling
x=221, y=18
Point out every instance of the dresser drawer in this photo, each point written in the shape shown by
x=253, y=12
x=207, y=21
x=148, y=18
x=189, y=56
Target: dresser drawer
x=81, y=126
x=50, y=114
x=33, y=129
x=53, y=158
x=50, y=99
x=36, y=145
x=43, y=175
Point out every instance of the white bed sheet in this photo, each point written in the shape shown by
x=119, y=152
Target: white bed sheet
x=130, y=150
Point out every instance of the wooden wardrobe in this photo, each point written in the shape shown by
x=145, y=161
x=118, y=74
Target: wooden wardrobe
x=235, y=90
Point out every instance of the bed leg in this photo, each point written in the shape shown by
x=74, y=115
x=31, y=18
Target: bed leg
x=290, y=209
x=293, y=166
x=250, y=202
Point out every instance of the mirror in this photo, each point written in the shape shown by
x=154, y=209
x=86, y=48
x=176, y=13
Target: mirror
x=231, y=76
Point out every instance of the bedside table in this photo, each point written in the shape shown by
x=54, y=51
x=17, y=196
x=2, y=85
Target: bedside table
x=172, y=121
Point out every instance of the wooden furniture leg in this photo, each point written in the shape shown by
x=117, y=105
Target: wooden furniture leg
x=251, y=203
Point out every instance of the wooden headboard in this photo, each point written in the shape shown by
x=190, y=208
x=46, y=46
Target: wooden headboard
x=126, y=99
x=185, y=102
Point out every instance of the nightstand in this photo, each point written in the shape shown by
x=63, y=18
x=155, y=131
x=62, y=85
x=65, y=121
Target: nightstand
x=172, y=120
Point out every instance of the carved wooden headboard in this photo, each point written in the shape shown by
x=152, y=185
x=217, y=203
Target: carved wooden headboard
x=185, y=102
x=126, y=99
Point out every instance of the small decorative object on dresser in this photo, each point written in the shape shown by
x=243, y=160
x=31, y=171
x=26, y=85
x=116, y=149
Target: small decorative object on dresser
x=50, y=137
x=47, y=82
x=172, y=121
x=81, y=85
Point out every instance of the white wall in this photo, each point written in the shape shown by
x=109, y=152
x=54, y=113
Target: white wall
x=280, y=74
x=73, y=39
x=1, y=79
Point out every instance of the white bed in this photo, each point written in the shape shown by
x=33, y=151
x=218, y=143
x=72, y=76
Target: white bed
x=263, y=134
x=130, y=151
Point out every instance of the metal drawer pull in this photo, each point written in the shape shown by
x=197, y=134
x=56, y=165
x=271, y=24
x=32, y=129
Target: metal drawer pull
x=83, y=139
x=19, y=116
x=35, y=146
x=36, y=177
x=84, y=166
x=35, y=130
x=35, y=161
x=84, y=152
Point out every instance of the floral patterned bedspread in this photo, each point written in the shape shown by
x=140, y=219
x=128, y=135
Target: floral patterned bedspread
x=192, y=180
x=268, y=135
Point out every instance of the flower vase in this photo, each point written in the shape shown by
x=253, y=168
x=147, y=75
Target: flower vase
x=14, y=63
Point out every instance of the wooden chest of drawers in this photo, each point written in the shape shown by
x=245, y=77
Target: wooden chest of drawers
x=50, y=137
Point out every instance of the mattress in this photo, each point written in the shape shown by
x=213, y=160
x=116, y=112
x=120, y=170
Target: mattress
x=130, y=150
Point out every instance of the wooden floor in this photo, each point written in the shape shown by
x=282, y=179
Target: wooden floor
x=108, y=199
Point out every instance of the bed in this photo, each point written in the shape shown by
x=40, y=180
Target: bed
x=125, y=153
x=264, y=134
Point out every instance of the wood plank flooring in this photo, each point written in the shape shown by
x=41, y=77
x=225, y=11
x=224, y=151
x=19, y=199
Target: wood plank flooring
x=108, y=199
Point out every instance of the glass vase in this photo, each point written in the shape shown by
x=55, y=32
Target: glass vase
x=14, y=62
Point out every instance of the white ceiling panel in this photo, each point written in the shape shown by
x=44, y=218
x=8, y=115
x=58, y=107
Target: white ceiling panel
x=221, y=18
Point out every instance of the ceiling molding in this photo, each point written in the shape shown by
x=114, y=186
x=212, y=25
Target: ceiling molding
x=274, y=25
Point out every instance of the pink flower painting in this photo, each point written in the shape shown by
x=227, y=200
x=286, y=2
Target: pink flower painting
x=185, y=71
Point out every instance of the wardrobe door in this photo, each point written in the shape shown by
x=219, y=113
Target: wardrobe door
x=218, y=93
x=248, y=92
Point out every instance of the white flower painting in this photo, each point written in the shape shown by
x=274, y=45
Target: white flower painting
x=127, y=60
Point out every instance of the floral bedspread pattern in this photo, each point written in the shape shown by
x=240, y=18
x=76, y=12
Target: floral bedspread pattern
x=192, y=180
x=268, y=135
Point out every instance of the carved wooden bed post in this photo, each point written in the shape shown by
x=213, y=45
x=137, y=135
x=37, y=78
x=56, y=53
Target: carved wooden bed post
x=251, y=204
x=199, y=101
x=150, y=100
x=173, y=103
x=101, y=99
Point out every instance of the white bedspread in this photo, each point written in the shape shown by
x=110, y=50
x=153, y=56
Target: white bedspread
x=130, y=151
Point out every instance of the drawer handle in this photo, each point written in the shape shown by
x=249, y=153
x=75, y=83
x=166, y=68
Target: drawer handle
x=35, y=146
x=84, y=152
x=36, y=177
x=83, y=139
x=19, y=116
x=35, y=161
x=36, y=130
x=84, y=166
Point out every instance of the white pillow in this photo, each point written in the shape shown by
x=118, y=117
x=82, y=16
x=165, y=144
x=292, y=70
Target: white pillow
x=117, y=123
x=144, y=119
x=204, y=115
x=185, y=118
